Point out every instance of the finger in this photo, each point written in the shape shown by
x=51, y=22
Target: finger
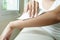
x=30, y=9
x=30, y=13
x=26, y=8
x=36, y=8
x=33, y=13
x=33, y=9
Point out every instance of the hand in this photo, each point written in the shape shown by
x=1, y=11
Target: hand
x=33, y=8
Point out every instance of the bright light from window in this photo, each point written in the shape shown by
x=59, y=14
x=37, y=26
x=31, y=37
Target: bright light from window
x=11, y=4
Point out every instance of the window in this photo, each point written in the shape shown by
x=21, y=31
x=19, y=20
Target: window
x=25, y=2
x=11, y=4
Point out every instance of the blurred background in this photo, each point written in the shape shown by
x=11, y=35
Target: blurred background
x=9, y=12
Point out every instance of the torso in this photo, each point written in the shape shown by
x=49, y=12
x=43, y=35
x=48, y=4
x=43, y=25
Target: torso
x=47, y=4
x=54, y=30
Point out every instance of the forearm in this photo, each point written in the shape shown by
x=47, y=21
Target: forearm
x=42, y=20
x=46, y=19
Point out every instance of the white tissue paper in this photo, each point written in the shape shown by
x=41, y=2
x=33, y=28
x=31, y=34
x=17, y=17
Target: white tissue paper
x=24, y=16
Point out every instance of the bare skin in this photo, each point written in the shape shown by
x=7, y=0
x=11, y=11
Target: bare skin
x=33, y=8
x=30, y=7
x=49, y=18
x=45, y=19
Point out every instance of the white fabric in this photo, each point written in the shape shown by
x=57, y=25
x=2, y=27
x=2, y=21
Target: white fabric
x=53, y=30
x=34, y=36
x=24, y=16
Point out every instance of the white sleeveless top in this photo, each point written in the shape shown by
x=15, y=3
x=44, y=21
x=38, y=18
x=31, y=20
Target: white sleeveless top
x=54, y=30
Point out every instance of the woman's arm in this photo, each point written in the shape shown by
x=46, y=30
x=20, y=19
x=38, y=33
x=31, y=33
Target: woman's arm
x=9, y=29
x=48, y=18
